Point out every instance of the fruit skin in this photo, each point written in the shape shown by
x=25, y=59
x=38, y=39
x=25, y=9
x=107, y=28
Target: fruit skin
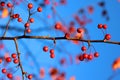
x=90, y=57
x=31, y=20
x=4, y=70
x=27, y=24
x=9, y=75
x=0, y=60
x=81, y=58
x=19, y=19
x=28, y=30
x=9, y=5
x=96, y=54
x=17, y=15
x=107, y=36
x=52, y=55
x=100, y=26
x=52, y=51
x=30, y=76
x=79, y=30
x=13, y=55
x=2, y=3
x=58, y=26
x=45, y=48
x=104, y=26
x=67, y=35
x=30, y=5
x=8, y=59
x=39, y=9
x=85, y=55
x=16, y=61
x=83, y=48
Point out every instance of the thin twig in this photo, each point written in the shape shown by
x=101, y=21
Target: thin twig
x=8, y=22
x=18, y=54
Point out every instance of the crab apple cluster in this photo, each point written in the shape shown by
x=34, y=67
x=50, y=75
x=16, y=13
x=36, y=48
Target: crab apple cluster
x=13, y=57
x=100, y=26
x=17, y=16
x=52, y=54
x=3, y=4
x=86, y=56
x=30, y=20
x=8, y=74
x=30, y=6
x=8, y=59
x=104, y=26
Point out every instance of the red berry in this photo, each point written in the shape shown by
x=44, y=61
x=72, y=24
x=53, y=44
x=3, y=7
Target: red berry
x=30, y=76
x=31, y=20
x=52, y=55
x=13, y=16
x=107, y=36
x=27, y=24
x=52, y=51
x=19, y=19
x=100, y=26
x=81, y=58
x=13, y=55
x=28, y=30
x=4, y=70
x=71, y=29
x=83, y=48
x=17, y=15
x=79, y=30
x=96, y=54
x=8, y=59
x=45, y=48
x=9, y=5
x=16, y=61
x=58, y=25
x=39, y=9
x=104, y=26
x=30, y=5
x=67, y=35
x=9, y=75
x=90, y=57
x=62, y=61
x=2, y=3
x=0, y=60
x=85, y=55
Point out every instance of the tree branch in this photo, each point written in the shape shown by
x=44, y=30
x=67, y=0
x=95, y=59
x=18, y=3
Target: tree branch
x=18, y=54
x=58, y=38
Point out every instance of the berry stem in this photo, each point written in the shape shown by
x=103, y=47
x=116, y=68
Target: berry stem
x=8, y=23
x=27, y=21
